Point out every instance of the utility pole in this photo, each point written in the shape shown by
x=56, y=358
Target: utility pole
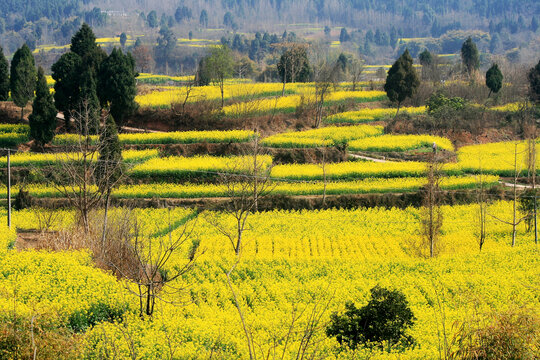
x=9, y=187
x=533, y=166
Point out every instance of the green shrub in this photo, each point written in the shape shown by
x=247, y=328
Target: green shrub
x=81, y=320
x=438, y=102
x=381, y=324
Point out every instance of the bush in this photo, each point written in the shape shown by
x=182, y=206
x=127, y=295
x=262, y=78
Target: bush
x=82, y=320
x=42, y=335
x=438, y=102
x=23, y=200
x=512, y=335
x=381, y=324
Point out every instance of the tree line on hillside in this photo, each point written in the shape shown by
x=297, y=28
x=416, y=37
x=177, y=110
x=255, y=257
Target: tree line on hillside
x=55, y=21
x=87, y=80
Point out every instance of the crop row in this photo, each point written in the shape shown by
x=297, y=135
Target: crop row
x=14, y=129
x=44, y=159
x=12, y=135
x=400, y=143
x=501, y=158
x=292, y=102
x=369, y=115
x=166, y=96
x=180, y=168
x=175, y=137
x=187, y=190
x=351, y=170
x=494, y=158
x=327, y=136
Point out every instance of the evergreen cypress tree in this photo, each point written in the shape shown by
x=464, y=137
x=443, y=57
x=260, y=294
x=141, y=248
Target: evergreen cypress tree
x=344, y=35
x=117, y=87
x=470, y=56
x=88, y=107
x=401, y=81
x=65, y=72
x=494, y=79
x=23, y=77
x=43, y=117
x=123, y=39
x=84, y=41
x=425, y=57
x=534, y=83
x=110, y=155
x=71, y=73
x=4, y=77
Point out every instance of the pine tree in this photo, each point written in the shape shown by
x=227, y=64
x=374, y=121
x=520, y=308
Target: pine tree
x=23, y=77
x=117, y=87
x=401, y=81
x=494, y=79
x=470, y=56
x=43, y=117
x=4, y=76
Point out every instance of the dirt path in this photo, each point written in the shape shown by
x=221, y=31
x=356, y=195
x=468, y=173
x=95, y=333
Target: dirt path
x=368, y=158
x=60, y=116
x=518, y=186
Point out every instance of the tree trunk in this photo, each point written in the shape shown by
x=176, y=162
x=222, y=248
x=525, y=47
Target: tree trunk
x=239, y=237
x=105, y=220
x=397, y=112
x=324, y=177
x=255, y=174
x=222, y=93
x=515, y=198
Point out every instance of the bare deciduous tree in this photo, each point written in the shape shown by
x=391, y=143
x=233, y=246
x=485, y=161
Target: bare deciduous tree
x=356, y=67
x=516, y=220
x=292, y=62
x=243, y=191
x=431, y=214
x=149, y=262
x=77, y=174
x=482, y=201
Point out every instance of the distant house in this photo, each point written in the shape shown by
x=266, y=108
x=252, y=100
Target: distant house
x=115, y=13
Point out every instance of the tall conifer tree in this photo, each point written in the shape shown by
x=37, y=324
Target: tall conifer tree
x=402, y=80
x=470, y=56
x=43, y=117
x=494, y=79
x=117, y=88
x=23, y=77
x=4, y=77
